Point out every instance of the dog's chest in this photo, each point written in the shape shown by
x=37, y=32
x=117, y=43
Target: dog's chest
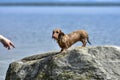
x=64, y=42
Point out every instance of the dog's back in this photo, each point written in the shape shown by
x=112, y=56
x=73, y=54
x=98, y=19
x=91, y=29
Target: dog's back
x=79, y=34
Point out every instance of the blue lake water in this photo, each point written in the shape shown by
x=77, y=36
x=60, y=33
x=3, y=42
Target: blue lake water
x=30, y=28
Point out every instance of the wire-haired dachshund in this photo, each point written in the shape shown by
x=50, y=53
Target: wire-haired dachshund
x=67, y=40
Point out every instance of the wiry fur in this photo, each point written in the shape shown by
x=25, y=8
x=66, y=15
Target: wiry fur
x=67, y=40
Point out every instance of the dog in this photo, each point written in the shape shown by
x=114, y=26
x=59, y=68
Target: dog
x=67, y=40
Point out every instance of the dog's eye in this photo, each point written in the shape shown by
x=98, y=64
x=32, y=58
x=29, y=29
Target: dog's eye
x=57, y=32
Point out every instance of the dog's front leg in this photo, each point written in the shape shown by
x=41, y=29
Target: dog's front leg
x=63, y=50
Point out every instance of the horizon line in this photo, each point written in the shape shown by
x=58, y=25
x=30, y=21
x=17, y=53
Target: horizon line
x=59, y=4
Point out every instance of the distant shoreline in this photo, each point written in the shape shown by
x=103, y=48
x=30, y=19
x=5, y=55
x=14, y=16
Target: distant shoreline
x=59, y=4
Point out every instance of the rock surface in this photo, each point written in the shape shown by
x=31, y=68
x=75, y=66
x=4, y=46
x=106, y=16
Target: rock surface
x=90, y=63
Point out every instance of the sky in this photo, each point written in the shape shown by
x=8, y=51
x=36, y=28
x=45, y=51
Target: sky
x=59, y=0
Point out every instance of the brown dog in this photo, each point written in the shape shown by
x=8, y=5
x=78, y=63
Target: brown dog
x=67, y=40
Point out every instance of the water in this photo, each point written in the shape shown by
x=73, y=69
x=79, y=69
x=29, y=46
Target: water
x=30, y=28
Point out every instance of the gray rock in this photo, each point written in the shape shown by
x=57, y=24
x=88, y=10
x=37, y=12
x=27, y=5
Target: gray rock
x=90, y=63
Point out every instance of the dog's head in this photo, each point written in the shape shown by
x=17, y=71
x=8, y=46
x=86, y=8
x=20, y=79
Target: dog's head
x=57, y=34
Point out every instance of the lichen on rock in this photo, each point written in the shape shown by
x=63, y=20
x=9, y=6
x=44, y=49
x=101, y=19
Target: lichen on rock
x=89, y=63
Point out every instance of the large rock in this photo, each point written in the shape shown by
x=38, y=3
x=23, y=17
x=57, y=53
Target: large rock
x=90, y=63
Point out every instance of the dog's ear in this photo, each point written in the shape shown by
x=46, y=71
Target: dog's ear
x=61, y=35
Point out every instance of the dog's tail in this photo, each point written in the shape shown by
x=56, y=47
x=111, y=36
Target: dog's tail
x=88, y=41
